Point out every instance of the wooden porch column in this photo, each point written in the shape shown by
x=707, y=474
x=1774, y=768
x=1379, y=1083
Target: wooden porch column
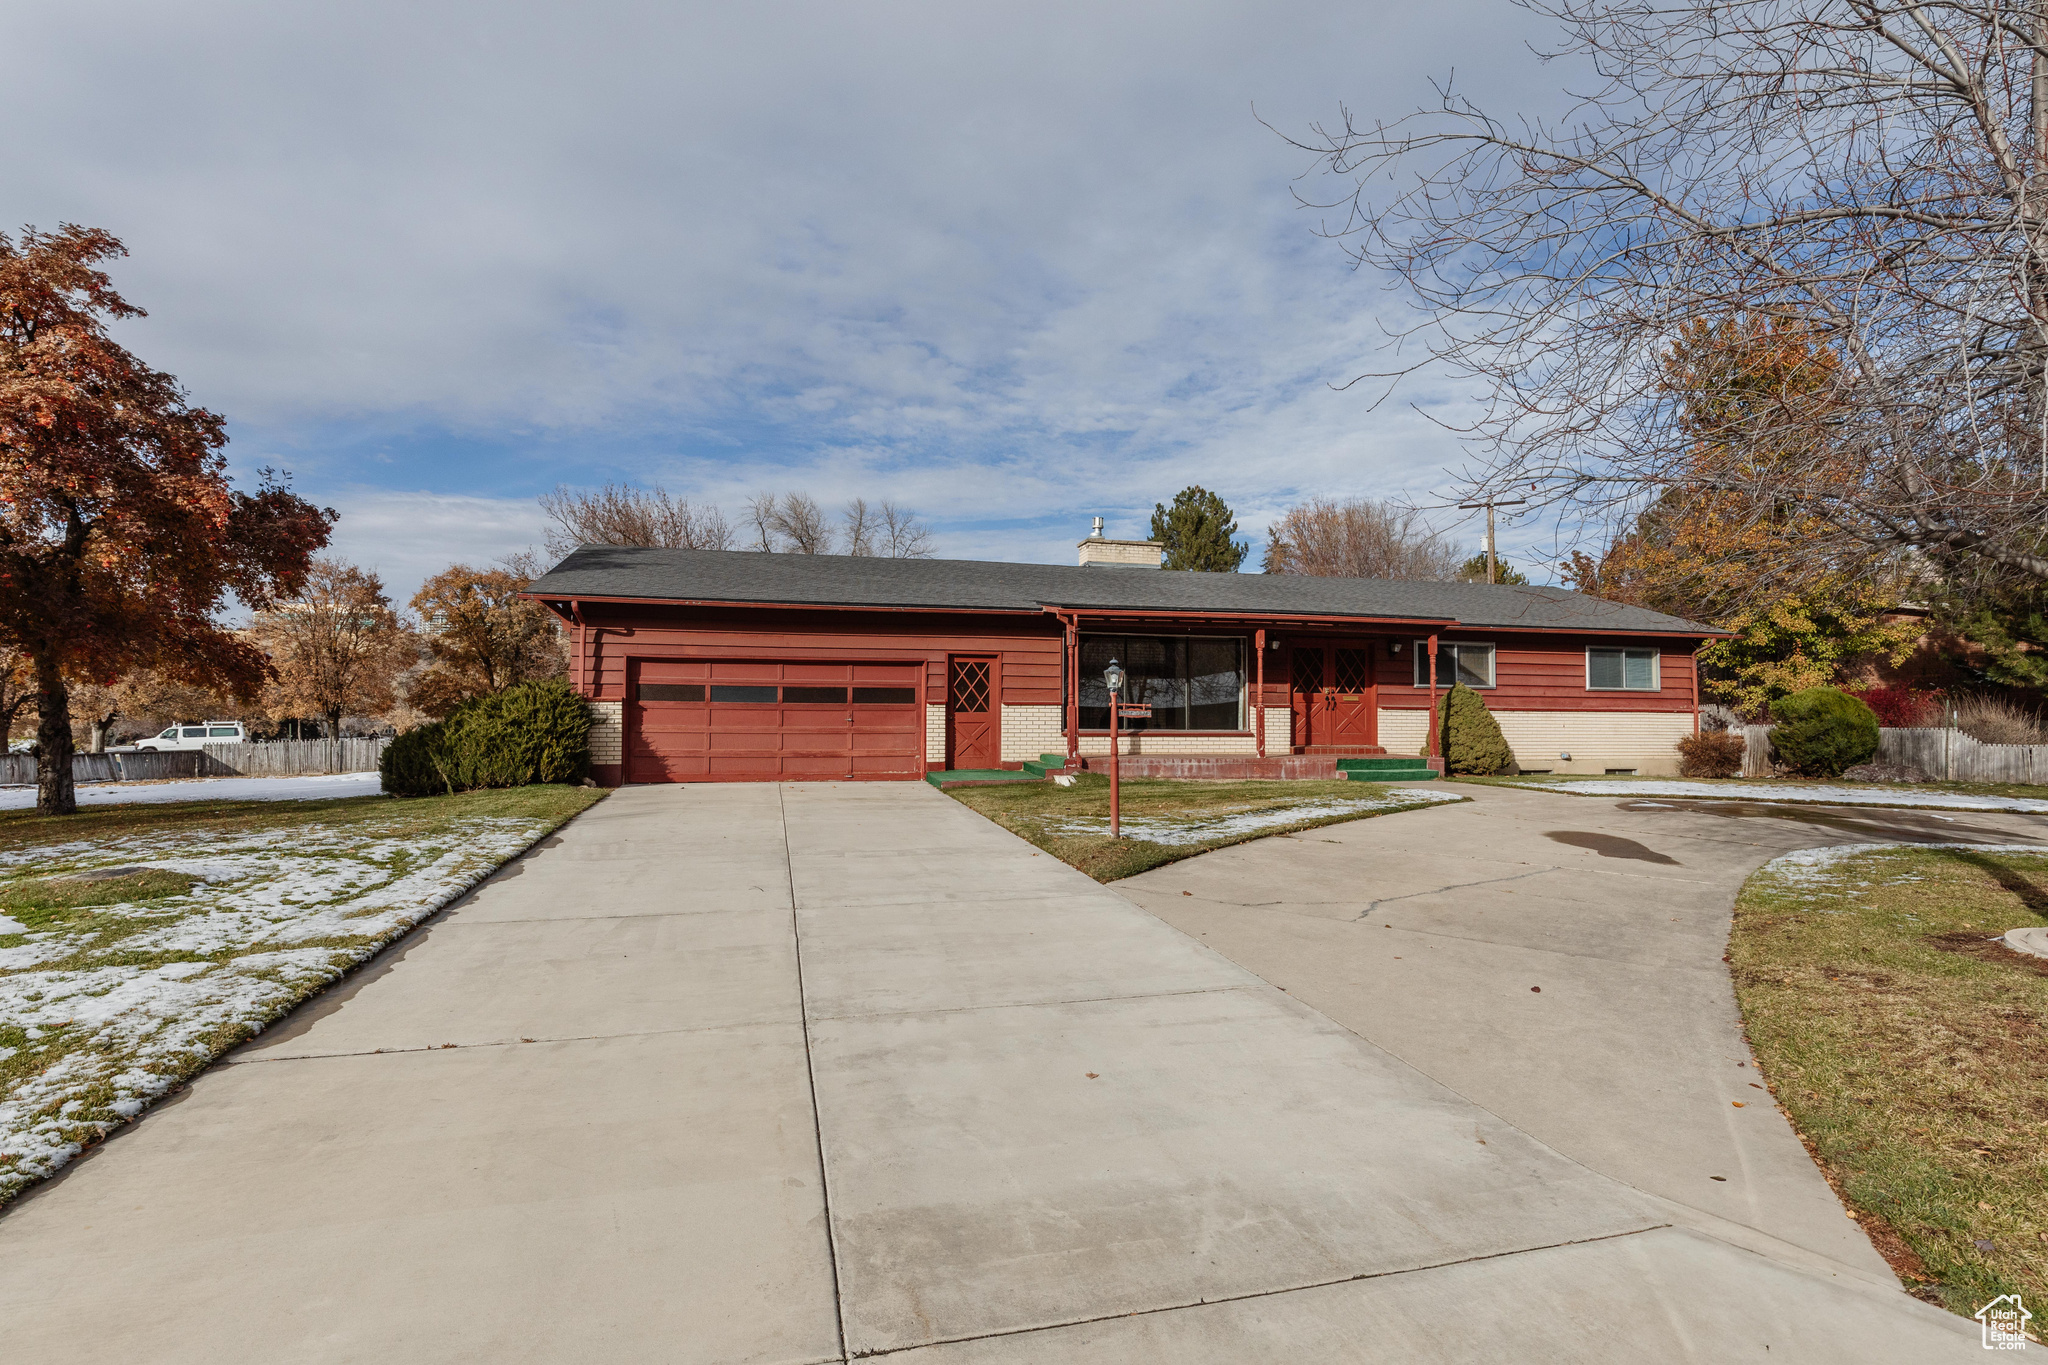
x=1435, y=739
x=1694, y=661
x=1259, y=694
x=1073, y=624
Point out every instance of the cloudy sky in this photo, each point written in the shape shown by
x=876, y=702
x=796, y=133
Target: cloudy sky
x=1012, y=266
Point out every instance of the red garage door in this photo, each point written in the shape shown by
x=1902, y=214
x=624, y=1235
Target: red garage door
x=713, y=720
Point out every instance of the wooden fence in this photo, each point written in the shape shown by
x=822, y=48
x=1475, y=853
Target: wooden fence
x=285, y=758
x=1940, y=752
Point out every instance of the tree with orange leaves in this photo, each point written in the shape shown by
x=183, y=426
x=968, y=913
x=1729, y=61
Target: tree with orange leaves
x=1738, y=557
x=120, y=533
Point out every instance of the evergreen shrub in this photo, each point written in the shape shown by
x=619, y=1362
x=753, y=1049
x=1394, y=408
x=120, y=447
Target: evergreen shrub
x=1473, y=743
x=529, y=733
x=1821, y=731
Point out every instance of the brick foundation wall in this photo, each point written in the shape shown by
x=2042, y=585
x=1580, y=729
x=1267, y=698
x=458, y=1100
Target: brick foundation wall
x=1596, y=740
x=935, y=736
x=1029, y=731
x=607, y=732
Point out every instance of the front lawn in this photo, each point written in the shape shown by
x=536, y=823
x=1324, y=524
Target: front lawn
x=1909, y=1049
x=137, y=943
x=1164, y=821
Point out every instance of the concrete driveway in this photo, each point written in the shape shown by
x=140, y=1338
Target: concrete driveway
x=810, y=1073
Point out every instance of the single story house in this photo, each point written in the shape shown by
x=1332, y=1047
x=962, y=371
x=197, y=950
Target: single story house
x=710, y=665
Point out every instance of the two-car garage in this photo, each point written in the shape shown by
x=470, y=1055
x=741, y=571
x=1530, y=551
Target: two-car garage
x=748, y=720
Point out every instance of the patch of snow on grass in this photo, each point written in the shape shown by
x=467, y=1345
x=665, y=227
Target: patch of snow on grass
x=276, y=916
x=320, y=787
x=1790, y=791
x=1200, y=829
x=1823, y=866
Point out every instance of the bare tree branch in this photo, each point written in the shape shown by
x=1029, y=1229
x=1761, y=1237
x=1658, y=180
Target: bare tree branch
x=1868, y=171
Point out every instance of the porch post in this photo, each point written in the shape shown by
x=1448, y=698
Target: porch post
x=1073, y=726
x=1259, y=694
x=1695, y=662
x=1434, y=738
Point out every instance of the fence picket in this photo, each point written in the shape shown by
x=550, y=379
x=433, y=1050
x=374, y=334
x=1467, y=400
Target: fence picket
x=1941, y=753
x=284, y=758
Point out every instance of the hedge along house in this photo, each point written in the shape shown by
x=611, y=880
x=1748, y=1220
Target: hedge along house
x=707, y=665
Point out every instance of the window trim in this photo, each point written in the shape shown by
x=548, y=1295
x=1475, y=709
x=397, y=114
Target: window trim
x=1422, y=653
x=1656, y=668
x=1245, y=652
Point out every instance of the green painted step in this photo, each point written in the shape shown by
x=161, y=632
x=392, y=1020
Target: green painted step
x=1351, y=765
x=1389, y=775
x=946, y=775
x=1045, y=763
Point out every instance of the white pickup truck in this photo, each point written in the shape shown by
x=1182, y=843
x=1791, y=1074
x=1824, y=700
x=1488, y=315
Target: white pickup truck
x=196, y=736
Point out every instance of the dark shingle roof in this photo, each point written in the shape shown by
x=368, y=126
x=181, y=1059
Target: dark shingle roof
x=982, y=585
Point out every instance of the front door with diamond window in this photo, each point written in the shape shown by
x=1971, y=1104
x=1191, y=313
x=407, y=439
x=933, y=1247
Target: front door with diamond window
x=1350, y=703
x=972, y=740
x=1335, y=702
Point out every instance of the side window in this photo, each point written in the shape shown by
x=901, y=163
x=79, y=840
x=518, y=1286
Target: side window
x=195, y=732
x=1621, y=670
x=171, y=733
x=1456, y=662
x=221, y=732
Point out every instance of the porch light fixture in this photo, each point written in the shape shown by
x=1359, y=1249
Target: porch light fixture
x=1393, y=646
x=1113, y=676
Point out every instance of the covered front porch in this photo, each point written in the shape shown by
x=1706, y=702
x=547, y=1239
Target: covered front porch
x=1254, y=697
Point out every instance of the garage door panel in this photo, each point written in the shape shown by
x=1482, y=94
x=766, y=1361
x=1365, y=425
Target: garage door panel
x=797, y=721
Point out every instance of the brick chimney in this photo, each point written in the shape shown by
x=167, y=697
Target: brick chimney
x=1119, y=554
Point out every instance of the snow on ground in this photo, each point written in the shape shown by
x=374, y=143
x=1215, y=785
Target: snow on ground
x=1201, y=829
x=119, y=1003
x=1811, y=867
x=320, y=788
x=1790, y=791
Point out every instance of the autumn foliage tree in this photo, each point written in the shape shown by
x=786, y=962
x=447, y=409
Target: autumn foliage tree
x=121, y=535
x=481, y=636
x=337, y=647
x=1733, y=558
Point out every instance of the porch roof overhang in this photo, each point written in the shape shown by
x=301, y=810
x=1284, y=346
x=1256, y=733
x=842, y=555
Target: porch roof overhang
x=1253, y=619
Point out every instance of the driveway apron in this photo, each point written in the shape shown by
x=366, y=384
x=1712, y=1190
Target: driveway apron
x=821, y=1072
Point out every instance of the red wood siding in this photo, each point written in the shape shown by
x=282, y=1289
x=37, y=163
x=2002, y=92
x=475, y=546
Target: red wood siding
x=1548, y=673
x=1028, y=647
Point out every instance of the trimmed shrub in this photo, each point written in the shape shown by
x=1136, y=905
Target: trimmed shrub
x=1473, y=742
x=415, y=763
x=1821, y=731
x=532, y=732
x=1711, y=753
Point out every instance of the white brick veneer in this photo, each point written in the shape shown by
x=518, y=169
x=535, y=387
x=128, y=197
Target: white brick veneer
x=1279, y=729
x=607, y=732
x=1596, y=740
x=1029, y=731
x=1167, y=742
x=935, y=736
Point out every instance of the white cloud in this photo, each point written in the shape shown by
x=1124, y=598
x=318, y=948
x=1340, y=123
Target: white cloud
x=1008, y=264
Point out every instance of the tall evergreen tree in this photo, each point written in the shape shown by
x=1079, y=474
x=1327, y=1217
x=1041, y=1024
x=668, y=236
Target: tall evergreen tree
x=1197, y=532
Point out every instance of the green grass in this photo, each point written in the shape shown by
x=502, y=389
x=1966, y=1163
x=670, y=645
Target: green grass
x=305, y=890
x=1909, y=1050
x=1034, y=811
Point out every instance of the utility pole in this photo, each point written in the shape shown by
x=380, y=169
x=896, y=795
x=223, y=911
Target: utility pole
x=1489, y=505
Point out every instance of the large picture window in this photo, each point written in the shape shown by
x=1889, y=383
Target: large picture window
x=1191, y=682
x=1621, y=670
x=1471, y=665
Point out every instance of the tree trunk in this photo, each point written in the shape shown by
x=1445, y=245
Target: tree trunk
x=55, y=794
